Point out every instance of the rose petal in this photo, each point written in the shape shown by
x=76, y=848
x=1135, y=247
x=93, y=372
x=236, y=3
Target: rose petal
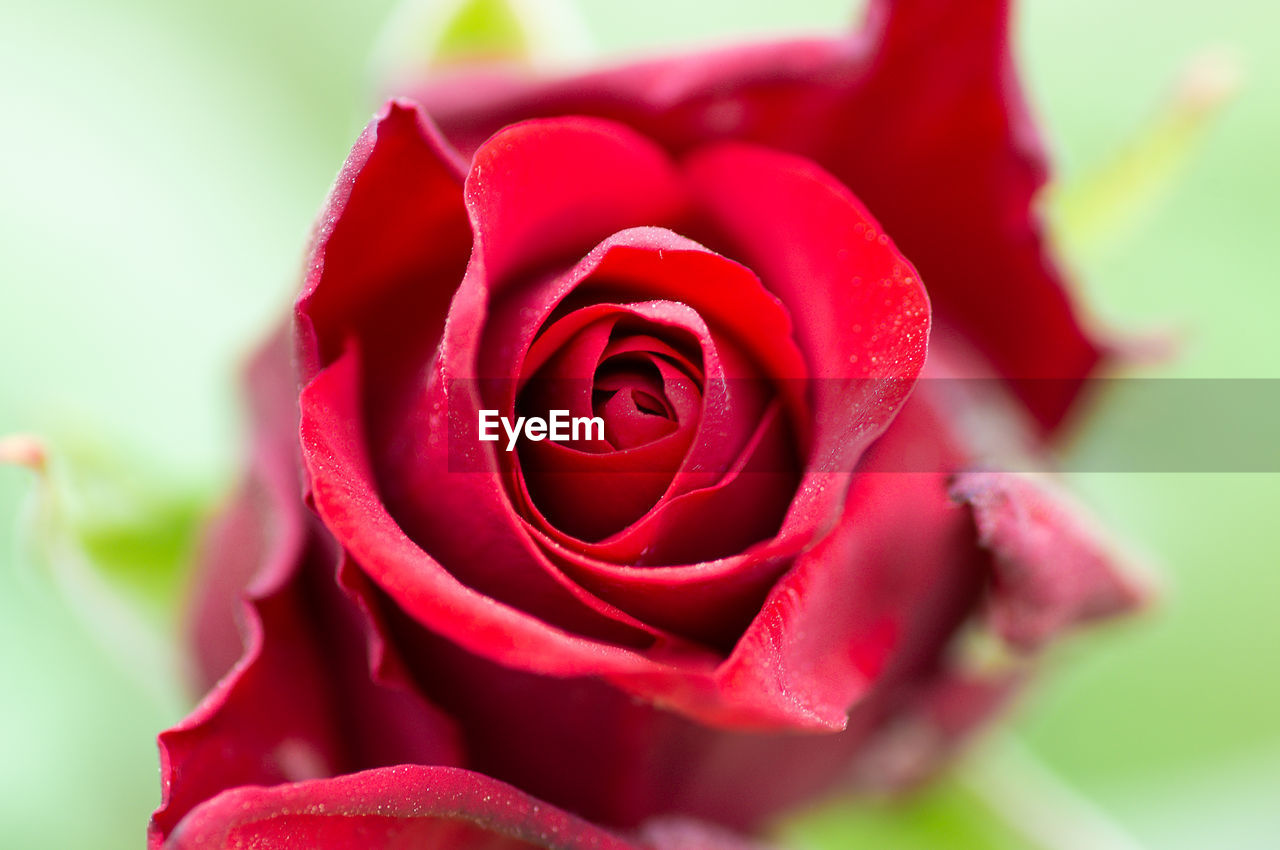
x=258, y=539
x=541, y=191
x=959, y=196
x=622, y=761
x=642, y=255
x=563, y=370
x=394, y=228
x=920, y=114
x=405, y=806
x=865, y=342
x=344, y=493
x=417, y=454
x=643, y=661
x=647, y=265
x=598, y=494
x=887, y=588
x=301, y=703
x=266, y=584
x=582, y=495
x=1053, y=567
x=713, y=600
x=860, y=311
x=304, y=699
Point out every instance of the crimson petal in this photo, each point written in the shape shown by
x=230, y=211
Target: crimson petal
x=394, y=223
x=920, y=114
x=861, y=314
x=1054, y=568
x=314, y=689
x=407, y=806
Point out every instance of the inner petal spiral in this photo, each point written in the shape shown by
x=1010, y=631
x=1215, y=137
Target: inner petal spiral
x=644, y=382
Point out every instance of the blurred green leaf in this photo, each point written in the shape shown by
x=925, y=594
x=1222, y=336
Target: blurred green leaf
x=423, y=36
x=482, y=29
x=133, y=524
x=1105, y=205
x=114, y=537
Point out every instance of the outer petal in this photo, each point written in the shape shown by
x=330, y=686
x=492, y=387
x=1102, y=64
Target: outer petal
x=394, y=224
x=413, y=806
x=920, y=114
x=940, y=143
x=308, y=699
x=314, y=690
x=1053, y=567
x=884, y=592
x=874, y=621
x=621, y=761
x=259, y=539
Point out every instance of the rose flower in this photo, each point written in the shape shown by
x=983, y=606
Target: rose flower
x=765, y=273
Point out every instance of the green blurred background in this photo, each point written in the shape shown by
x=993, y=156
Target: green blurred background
x=162, y=163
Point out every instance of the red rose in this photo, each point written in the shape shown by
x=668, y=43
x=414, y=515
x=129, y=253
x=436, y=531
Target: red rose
x=771, y=535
